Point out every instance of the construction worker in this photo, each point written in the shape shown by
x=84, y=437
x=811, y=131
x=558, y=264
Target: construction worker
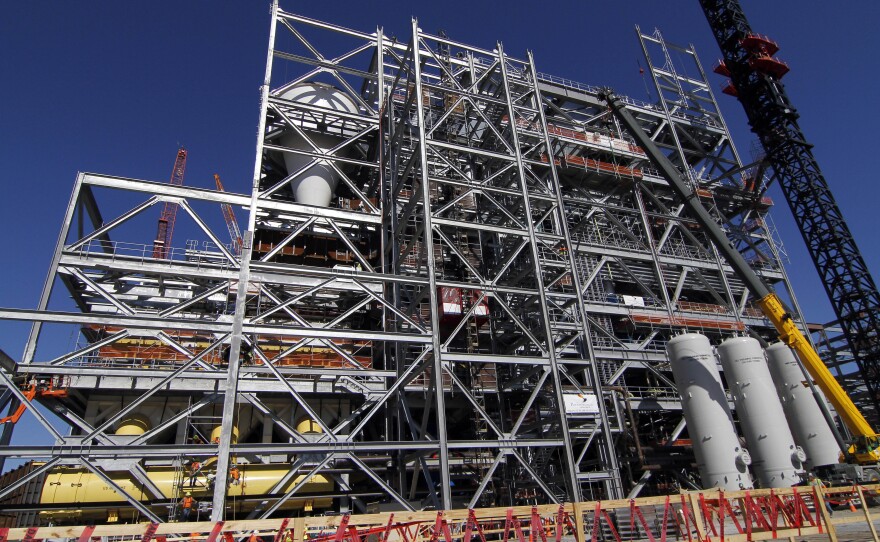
x=194, y=468
x=234, y=475
x=186, y=505
x=209, y=480
x=818, y=483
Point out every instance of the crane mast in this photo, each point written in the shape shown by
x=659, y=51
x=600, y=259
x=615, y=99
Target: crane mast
x=165, y=230
x=755, y=73
x=229, y=218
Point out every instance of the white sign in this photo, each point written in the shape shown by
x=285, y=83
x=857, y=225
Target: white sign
x=580, y=403
x=634, y=300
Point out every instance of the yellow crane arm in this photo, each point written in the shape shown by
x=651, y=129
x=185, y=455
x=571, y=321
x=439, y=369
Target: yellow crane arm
x=867, y=446
x=789, y=333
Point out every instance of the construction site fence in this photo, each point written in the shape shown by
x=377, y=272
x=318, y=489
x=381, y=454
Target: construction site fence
x=696, y=516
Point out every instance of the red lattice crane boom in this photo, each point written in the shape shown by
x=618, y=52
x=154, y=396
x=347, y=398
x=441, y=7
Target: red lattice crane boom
x=229, y=217
x=162, y=244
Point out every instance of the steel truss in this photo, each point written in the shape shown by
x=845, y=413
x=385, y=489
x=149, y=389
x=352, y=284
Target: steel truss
x=477, y=319
x=755, y=76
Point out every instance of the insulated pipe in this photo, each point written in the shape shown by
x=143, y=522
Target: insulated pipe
x=72, y=486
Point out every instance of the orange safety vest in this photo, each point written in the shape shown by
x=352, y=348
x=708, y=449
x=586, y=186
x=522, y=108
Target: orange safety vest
x=234, y=473
x=187, y=502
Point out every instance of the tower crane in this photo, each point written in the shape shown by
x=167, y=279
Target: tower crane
x=162, y=243
x=229, y=217
x=755, y=73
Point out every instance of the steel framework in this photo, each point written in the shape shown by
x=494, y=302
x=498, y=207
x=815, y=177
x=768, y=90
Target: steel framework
x=755, y=74
x=478, y=318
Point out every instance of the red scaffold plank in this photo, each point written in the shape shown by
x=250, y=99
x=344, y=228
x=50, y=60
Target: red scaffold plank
x=635, y=511
x=387, y=528
x=151, y=530
x=85, y=536
x=280, y=534
x=666, y=506
x=343, y=526
x=215, y=532
x=686, y=513
x=560, y=522
x=599, y=513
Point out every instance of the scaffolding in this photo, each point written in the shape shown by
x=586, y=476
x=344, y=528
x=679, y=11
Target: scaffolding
x=454, y=330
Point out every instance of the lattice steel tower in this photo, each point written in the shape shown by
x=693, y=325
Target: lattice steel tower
x=755, y=75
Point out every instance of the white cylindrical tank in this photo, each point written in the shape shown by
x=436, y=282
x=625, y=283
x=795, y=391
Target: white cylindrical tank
x=720, y=459
x=776, y=459
x=808, y=425
x=317, y=184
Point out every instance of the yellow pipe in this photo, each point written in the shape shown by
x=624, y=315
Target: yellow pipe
x=215, y=434
x=134, y=425
x=68, y=486
x=308, y=425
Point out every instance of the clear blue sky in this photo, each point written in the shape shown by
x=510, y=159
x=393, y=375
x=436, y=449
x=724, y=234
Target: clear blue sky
x=112, y=87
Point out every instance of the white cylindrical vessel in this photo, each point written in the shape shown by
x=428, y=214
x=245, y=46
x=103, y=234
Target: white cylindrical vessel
x=317, y=184
x=808, y=425
x=720, y=459
x=776, y=459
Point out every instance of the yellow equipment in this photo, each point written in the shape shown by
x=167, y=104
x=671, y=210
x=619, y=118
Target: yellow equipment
x=864, y=451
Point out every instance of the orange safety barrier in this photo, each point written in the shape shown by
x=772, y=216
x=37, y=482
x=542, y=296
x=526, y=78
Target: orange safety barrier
x=596, y=165
x=698, y=516
x=151, y=349
x=681, y=321
x=588, y=137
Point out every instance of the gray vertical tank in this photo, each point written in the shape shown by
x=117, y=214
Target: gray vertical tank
x=805, y=419
x=721, y=460
x=776, y=459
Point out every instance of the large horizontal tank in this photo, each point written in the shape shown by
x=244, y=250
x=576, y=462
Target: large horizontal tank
x=776, y=460
x=74, y=485
x=720, y=459
x=317, y=184
x=808, y=425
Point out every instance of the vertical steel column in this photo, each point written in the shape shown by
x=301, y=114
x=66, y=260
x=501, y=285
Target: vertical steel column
x=615, y=489
x=231, y=386
x=672, y=130
x=679, y=149
x=31, y=346
x=432, y=279
x=571, y=464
